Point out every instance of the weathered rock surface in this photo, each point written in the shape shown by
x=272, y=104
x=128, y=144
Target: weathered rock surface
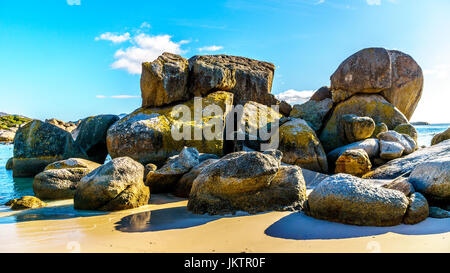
x=26, y=202
x=322, y=93
x=164, y=80
x=379, y=128
x=146, y=134
x=407, y=142
x=66, y=126
x=347, y=199
x=400, y=184
x=407, y=129
x=165, y=178
x=60, y=179
x=248, y=181
x=406, y=164
x=184, y=184
x=432, y=179
x=247, y=79
x=436, y=212
x=91, y=136
x=356, y=128
x=418, y=209
x=390, y=150
x=312, y=112
x=116, y=185
x=371, y=146
x=363, y=105
x=301, y=147
x=438, y=138
x=354, y=162
x=38, y=144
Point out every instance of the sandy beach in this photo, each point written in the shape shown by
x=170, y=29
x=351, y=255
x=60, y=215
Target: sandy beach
x=166, y=226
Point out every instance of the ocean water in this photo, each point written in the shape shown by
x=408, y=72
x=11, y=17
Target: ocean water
x=16, y=187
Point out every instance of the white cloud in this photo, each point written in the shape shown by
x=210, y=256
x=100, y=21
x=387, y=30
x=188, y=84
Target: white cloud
x=117, y=97
x=108, y=36
x=320, y=2
x=210, y=48
x=373, y=2
x=73, y=2
x=292, y=96
x=145, y=25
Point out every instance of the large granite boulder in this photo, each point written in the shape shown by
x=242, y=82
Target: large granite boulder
x=380, y=127
x=164, y=179
x=313, y=112
x=60, y=179
x=347, y=199
x=418, y=209
x=301, y=147
x=25, y=202
x=371, y=146
x=407, y=142
x=406, y=164
x=432, y=179
x=164, y=80
x=38, y=144
x=248, y=181
x=391, y=73
x=400, y=184
x=247, y=79
x=438, y=138
x=91, y=136
x=184, y=184
x=322, y=93
x=356, y=128
x=363, y=105
x=116, y=185
x=407, y=129
x=390, y=150
x=354, y=162
x=146, y=134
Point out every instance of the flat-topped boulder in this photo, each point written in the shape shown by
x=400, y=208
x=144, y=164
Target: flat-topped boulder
x=38, y=144
x=354, y=162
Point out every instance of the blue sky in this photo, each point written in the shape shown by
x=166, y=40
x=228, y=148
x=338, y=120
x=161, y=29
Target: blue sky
x=69, y=59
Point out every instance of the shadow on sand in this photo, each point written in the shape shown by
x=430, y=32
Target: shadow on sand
x=298, y=226
x=166, y=219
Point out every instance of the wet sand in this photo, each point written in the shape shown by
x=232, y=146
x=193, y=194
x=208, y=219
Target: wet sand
x=166, y=226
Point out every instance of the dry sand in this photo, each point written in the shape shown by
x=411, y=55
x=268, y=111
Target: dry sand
x=166, y=226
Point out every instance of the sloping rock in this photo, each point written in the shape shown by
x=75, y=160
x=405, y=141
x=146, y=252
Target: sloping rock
x=347, y=199
x=91, y=136
x=322, y=93
x=38, y=144
x=165, y=178
x=116, y=185
x=418, y=209
x=400, y=184
x=301, y=147
x=312, y=112
x=408, y=144
x=146, y=134
x=406, y=164
x=407, y=129
x=390, y=150
x=247, y=79
x=184, y=184
x=26, y=202
x=364, y=105
x=354, y=162
x=438, y=138
x=371, y=146
x=251, y=182
x=356, y=128
x=60, y=179
x=432, y=179
x=436, y=212
x=164, y=80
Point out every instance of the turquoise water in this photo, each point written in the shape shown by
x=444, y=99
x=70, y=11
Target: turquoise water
x=16, y=187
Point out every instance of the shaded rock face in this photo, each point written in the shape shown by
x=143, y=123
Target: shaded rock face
x=356, y=128
x=347, y=199
x=145, y=135
x=26, y=202
x=60, y=179
x=371, y=146
x=116, y=185
x=408, y=144
x=164, y=179
x=321, y=94
x=91, y=136
x=248, y=181
x=9, y=164
x=400, y=184
x=354, y=162
x=363, y=105
x=438, y=138
x=164, y=80
x=301, y=147
x=38, y=144
x=436, y=212
x=247, y=79
x=406, y=164
x=418, y=209
x=432, y=179
x=184, y=184
x=393, y=74
x=312, y=112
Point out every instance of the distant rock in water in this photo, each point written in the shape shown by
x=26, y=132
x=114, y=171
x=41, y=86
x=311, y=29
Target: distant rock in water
x=420, y=123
